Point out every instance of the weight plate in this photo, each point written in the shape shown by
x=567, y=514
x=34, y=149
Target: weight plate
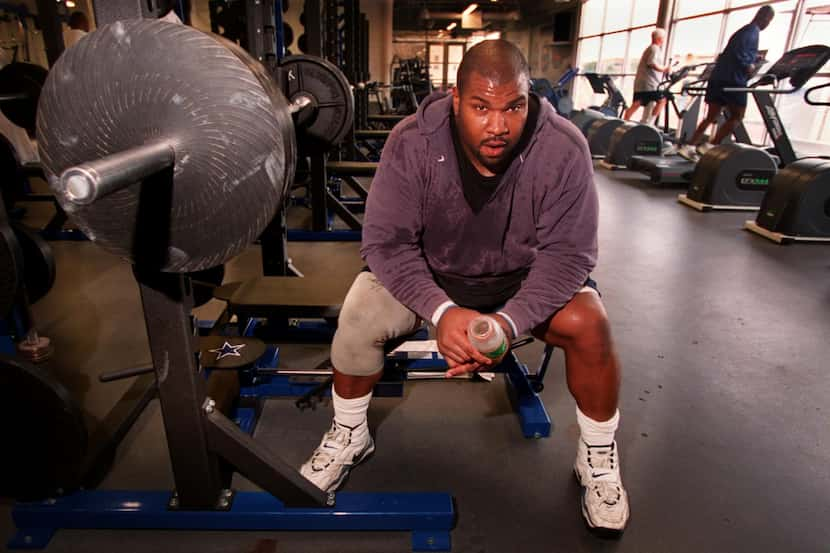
x=326, y=122
x=11, y=268
x=287, y=35
x=136, y=81
x=38, y=262
x=13, y=184
x=26, y=79
x=302, y=44
x=44, y=432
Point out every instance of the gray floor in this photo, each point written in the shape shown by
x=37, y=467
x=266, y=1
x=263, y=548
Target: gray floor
x=724, y=440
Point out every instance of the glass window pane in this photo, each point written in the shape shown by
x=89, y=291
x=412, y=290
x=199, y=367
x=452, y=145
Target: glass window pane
x=688, y=43
x=815, y=28
x=436, y=53
x=455, y=52
x=436, y=74
x=588, y=55
x=645, y=12
x=686, y=8
x=619, y=17
x=806, y=123
x=587, y=62
x=613, y=53
x=639, y=41
x=593, y=12
x=452, y=70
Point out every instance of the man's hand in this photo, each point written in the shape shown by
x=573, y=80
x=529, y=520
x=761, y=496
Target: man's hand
x=454, y=345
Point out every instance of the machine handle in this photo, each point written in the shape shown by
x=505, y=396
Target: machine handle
x=816, y=102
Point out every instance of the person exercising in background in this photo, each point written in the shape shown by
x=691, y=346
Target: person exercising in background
x=484, y=202
x=733, y=69
x=649, y=75
x=78, y=27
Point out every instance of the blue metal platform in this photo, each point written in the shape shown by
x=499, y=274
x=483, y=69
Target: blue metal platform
x=429, y=516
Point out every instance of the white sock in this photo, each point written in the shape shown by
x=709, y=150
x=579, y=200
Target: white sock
x=595, y=432
x=350, y=412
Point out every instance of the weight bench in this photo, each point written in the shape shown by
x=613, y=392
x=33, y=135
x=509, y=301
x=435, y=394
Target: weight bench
x=352, y=168
x=371, y=134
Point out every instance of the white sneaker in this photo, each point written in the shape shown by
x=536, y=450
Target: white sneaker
x=604, y=500
x=688, y=152
x=340, y=449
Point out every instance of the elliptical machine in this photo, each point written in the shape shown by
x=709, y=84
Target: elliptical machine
x=597, y=123
x=556, y=94
x=796, y=207
x=736, y=176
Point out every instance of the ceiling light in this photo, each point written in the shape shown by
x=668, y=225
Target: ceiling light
x=452, y=26
x=470, y=9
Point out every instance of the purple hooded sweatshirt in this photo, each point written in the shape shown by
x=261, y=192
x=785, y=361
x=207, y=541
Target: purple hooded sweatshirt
x=542, y=216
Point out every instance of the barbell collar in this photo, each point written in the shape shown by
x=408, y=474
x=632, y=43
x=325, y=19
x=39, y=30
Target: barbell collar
x=88, y=182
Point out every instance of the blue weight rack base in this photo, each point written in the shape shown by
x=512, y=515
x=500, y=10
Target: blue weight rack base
x=429, y=516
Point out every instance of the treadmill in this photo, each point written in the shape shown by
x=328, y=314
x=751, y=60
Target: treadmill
x=737, y=176
x=674, y=169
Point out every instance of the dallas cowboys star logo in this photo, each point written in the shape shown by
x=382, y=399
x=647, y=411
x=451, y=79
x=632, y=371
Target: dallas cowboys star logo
x=227, y=350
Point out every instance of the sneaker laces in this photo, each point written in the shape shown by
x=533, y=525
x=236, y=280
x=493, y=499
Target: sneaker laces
x=604, y=469
x=334, y=440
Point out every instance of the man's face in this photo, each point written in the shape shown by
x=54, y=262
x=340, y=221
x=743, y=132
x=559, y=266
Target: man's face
x=765, y=21
x=490, y=118
x=659, y=40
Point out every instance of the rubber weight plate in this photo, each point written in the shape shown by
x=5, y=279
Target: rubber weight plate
x=287, y=35
x=328, y=119
x=38, y=262
x=26, y=79
x=11, y=268
x=44, y=432
x=136, y=81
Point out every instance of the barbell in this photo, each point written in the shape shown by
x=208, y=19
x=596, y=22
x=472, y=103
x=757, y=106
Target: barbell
x=174, y=148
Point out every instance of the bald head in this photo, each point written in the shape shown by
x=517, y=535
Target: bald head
x=499, y=61
x=763, y=17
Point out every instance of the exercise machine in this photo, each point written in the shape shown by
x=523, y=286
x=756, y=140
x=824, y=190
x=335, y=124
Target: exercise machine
x=638, y=139
x=796, y=206
x=736, y=176
x=556, y=94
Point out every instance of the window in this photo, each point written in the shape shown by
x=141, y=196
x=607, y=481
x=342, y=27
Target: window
x=694, y=19
x=686, y=8
x=444, y=58
x=593, y=16
x=618, y=16
x=686, y=41
x=612, y=36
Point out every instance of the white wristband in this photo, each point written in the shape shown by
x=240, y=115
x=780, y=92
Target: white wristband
x=438, y=313
x=510, y=322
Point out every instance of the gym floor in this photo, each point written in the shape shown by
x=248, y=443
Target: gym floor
x=723, y=439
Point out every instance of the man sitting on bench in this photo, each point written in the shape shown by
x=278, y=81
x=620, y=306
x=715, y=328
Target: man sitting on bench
x=483, y=202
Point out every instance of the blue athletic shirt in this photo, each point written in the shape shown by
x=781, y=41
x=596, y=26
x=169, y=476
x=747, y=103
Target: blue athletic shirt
x=741, y=51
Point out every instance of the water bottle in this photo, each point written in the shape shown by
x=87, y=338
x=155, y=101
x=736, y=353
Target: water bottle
x=487, y=336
